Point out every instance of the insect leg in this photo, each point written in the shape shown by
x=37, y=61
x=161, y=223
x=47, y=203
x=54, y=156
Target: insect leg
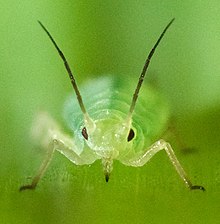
x=47, y=133
x=158, y=146
x=65, y=146
x=42, y=169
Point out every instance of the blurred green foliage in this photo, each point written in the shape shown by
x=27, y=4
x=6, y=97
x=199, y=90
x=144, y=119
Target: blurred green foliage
x=111, y=37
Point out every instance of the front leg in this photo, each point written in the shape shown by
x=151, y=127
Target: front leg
x=55, y=144
x=42, y=168
x=48, y=135
x=158, y=146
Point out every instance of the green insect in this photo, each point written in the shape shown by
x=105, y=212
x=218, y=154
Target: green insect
x=113, y=127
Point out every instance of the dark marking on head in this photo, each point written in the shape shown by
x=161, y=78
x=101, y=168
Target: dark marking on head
x=130, y=135
x=84, y=133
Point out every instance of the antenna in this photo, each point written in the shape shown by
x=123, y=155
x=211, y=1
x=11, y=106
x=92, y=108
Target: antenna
x=143, y=73
x=72, y=79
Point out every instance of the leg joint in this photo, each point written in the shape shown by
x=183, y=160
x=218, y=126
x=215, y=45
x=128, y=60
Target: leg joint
x=161, y=143
x=55, y=141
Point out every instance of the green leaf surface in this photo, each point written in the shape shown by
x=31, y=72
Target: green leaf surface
x=110, y=37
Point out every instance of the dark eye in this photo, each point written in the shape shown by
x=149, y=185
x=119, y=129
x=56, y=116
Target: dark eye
x=130, y=135
x=84, y=133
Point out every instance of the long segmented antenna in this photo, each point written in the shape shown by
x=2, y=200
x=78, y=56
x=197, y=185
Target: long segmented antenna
x=72, y=79
x=143, y=73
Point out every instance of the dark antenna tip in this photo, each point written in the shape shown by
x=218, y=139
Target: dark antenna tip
x=144, y=70
x=72, y=79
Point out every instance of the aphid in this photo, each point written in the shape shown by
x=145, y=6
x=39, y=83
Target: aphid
x=112, y=127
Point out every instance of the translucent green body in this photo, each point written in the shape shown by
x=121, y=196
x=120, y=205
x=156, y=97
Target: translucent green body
x=109, y=123
x=107, y=100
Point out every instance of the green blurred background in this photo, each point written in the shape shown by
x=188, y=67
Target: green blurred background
x=111, y=37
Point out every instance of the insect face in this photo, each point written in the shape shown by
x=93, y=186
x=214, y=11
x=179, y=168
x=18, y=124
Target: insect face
x=109, y=136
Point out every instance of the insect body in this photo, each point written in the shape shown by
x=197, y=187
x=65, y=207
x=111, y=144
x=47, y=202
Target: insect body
x=108, y=105
x=108, y=125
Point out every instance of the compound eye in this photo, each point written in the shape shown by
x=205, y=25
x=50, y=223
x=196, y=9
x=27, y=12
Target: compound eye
x=84, y=133
x=130, y=135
